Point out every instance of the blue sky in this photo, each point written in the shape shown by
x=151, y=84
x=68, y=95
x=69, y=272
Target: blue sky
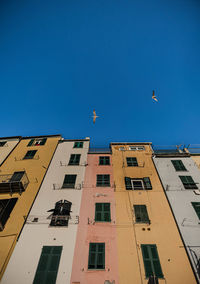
x=59, y=60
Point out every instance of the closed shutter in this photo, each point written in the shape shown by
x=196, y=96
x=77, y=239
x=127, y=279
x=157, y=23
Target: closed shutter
x=178, y=165
x=17, y=176
x=196, y=206
x=47, y=269
x=141, y=215
x=74, y=159
x=188, y=182
x=151, y=261
x=69, y=181
x=128, y=183
x=147, y=183
x=96, y=256
x=6, y=207
x=31, y=142
x=43, y=141
x=102, y=212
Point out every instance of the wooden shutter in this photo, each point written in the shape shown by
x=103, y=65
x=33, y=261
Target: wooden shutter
x=96, y=256
x=196, y=206
x=47, y=269
x=147, y=183
x=69, y=181
x=141, y=215
x=43, y=141
x=128, y=183
x=7, y=205
x=178, y=165
x=31, y=142
x=102, y=212
x=151, y=261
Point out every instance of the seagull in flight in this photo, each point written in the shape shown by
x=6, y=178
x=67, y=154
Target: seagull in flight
x=94, y=116
x=154, y=97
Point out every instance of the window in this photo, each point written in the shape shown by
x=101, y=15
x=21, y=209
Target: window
x=30, y=154
x=6, y=207
x=188, y=182
x=138, y=183
x=141, y=215
x=17, y=176
x=2, y=143
x=74, y=160
x=196, y=206
x=96, y=256
x=47, y=269
x=102, y=212
x=137, y=148
x=104, y=160
x=151, y=261
x=103, y=180
x=178, y=165
x=37, y=142
x=78, y=144
x=69, y=181
x=132, y=162
x=61, y=213
x=121, y=149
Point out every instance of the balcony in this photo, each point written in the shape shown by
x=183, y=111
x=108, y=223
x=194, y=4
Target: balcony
x=13, y=183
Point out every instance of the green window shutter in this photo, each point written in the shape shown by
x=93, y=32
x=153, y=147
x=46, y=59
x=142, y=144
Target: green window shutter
x=147, y=183
x=132, y=162
x=6, y=207
x=102, y=212
x=30, y=154
x=74, y=159
x=128, y=183
x=104, y=160
x=78, y=144
x=96, y=256
x=31, y=142
x=103, y=180
x=188, y=182
x=151, y=261
x=43, y=141
x=141, y=215
x=178, y=165
x=69, y=181
x=196, y=206
x=47, y=269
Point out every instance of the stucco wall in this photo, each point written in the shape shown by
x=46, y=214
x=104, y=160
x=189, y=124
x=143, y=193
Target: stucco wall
x=7, y=148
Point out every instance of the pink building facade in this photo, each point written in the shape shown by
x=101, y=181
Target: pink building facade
x=95, y=256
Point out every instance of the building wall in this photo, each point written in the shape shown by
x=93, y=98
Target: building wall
x=7, y=148
x=180, y=200
x=91, y=231
x=161, y=231
x=35, y=170
x=36, y=235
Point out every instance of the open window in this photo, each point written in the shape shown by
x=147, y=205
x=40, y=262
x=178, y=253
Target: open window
x=61, y=213
x=138, y=183
x=37, y=142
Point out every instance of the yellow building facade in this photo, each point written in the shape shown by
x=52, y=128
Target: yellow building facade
x=20, y=178
x=147, y=236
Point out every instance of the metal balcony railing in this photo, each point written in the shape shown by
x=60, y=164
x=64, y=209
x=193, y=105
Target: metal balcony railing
x=10, y=185
x=59, y=186
x=39, y=219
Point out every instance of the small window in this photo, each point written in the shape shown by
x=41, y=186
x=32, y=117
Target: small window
x=188, y=182
x=121, y=149
x=61, y=213
x=30, y=154
x=37, y=142
x=74, y=160
x=103, y=180
x=17, y=176
x=78, y=144
x=178, y=165
x=104, y=160
x=141, y=215
x=136, y=148
x=196, y=206
x=69, y=181
x=151, y=261
x=131, y=162
x=6, y=207
x=138, y=183
x=102, y=212
x=96, y=256
x=2, y=143
x=48, y=265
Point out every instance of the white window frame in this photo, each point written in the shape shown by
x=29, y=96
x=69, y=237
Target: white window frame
x=142, y=183
x=136, y=148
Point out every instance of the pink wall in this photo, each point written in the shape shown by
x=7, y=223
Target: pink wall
x=95, y=232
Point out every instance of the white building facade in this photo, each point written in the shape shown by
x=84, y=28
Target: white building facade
x=180, y=177
x=7, y=144
x=45, y=249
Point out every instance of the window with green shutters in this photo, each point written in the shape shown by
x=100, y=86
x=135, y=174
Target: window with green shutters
x=196, y=206
x=131, y=162
x=178, y=165
x=2, y=143
x=188, y=182
x=102, y=212
x=141, y=214
x=48, y=265
x=104, y=160
x=30, y=154
x=74, y=160
x=78, y=144
x=37, y=142
x=103, y=180
x=96, y=256
x=138, y=183
x=6, y=207
x=151, y=261
x=69, y=181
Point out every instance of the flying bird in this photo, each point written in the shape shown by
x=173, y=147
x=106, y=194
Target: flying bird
x=94, y=116
x=154, y=97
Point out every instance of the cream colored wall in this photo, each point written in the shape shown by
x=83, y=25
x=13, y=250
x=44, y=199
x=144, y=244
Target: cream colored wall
x=162, y=231
x=7, y=148
x=35, y=170
x=197, y=160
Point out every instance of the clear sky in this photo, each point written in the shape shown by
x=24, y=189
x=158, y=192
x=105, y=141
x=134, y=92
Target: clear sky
x=59, y=60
